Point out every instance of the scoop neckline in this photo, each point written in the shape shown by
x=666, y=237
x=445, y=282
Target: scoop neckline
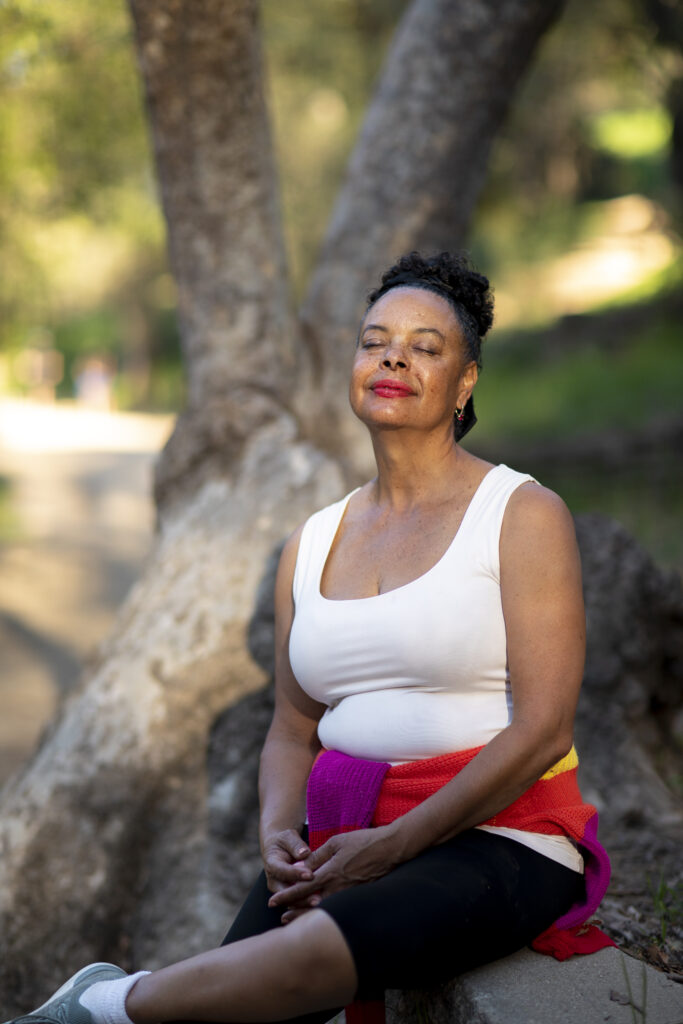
x=427, y=572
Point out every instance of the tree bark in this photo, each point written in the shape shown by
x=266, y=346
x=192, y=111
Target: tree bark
x=108, y=845
x=202, y=69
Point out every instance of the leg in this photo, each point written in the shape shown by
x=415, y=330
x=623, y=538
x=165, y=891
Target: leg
x=466, y=902
x=279, y=974
x=455, y=906
x=256, y=917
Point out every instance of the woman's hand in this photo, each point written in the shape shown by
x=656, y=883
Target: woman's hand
x=343, y=861
x=284, y=854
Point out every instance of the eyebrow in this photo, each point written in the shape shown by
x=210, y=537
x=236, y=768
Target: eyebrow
x=417, y=330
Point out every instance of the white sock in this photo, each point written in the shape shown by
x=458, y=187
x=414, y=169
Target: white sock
x=106, y=1000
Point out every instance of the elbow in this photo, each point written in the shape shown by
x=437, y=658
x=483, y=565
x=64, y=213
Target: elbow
x=563, y=746
x=549, y=752
x=551, y=741
x=558, y=743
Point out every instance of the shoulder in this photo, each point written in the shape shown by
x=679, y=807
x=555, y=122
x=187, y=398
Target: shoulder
x=537, y=526
x=324, y=518
x=536, y=504
x=288, y=555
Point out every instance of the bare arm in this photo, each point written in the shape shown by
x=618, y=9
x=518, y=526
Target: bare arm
x=545, y=627
x=290, y=747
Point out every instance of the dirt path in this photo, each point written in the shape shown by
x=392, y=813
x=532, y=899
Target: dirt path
x=81, y=522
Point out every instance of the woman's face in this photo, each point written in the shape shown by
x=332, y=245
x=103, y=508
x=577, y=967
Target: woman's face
x=410, y=367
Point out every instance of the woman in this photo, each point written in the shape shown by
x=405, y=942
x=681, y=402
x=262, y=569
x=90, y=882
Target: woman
x=430, y=642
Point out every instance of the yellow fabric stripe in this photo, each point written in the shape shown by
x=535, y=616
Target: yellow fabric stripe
x=569, y=761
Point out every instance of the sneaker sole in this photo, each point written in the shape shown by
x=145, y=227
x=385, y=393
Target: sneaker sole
x=68, y=985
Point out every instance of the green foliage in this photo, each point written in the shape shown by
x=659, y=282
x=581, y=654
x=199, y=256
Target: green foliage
x=584, y=388
x=668, y=903
x=627, y=134
x=81, y=234
x=81, y=237
x=617, y=372
x=72, y=112
x=590, y=122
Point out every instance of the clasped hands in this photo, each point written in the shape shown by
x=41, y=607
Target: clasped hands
x=299, y=878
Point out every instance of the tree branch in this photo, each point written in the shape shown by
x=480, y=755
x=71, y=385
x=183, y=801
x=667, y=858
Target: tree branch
x=417, y=169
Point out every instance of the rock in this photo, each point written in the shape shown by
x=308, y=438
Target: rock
x=528, y=988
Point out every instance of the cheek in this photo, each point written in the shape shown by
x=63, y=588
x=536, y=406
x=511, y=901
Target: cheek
x=443, y=387
x=360, y=368
x=357, y=377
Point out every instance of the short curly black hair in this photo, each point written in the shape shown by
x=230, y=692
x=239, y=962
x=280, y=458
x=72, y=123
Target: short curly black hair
x=468, y=292
x=452, y=276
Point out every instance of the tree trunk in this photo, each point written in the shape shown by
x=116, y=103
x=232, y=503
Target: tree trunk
x=109, y=845
x=111, y=816
x=202, y=69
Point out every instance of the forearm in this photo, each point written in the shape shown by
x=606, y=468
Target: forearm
x=499, y=773
x=286, y=762
x=506, y=767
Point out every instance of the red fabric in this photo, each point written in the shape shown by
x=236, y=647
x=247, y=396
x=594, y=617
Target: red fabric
x=562, y=944
x=368, y=1012
x=551, y=806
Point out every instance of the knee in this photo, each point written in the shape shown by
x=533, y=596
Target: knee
x=320, y=959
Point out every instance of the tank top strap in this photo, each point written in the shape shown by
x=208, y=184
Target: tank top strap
x=314, y=545
x=484, y=517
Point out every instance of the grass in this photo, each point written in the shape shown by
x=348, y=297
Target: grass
x=591, y=387
x=638, y=1013
x=620, y=370
x=668, y=904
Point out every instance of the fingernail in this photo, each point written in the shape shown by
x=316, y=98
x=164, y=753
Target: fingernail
x=315, y=900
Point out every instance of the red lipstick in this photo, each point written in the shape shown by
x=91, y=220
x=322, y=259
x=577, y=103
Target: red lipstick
x=390, y=388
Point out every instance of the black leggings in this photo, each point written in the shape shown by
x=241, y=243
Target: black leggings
x=473, y=899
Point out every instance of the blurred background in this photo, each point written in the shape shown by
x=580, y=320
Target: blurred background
x=579, y=227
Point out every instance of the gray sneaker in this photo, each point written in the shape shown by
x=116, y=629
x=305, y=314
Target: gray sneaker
x=63, y=1007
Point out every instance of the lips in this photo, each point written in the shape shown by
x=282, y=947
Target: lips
x=392, y=389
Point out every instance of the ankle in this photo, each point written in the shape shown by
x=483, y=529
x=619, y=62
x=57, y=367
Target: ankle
x=106, y=1000
x=134, y=1003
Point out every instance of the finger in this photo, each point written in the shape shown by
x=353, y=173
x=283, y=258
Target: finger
x=322, y=855
x=275, y=885
x=293, y=912
x=307, y=904
x=295, y=893
x=288, y=873
x=294, y=844
x=304, y=868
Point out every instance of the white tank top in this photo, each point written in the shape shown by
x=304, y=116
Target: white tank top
x=420, y=670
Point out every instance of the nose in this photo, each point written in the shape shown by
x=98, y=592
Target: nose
x=394, y=356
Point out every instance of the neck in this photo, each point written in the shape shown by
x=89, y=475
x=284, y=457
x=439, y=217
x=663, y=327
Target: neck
x=412, y=470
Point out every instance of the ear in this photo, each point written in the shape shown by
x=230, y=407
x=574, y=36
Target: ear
x=468, y=379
